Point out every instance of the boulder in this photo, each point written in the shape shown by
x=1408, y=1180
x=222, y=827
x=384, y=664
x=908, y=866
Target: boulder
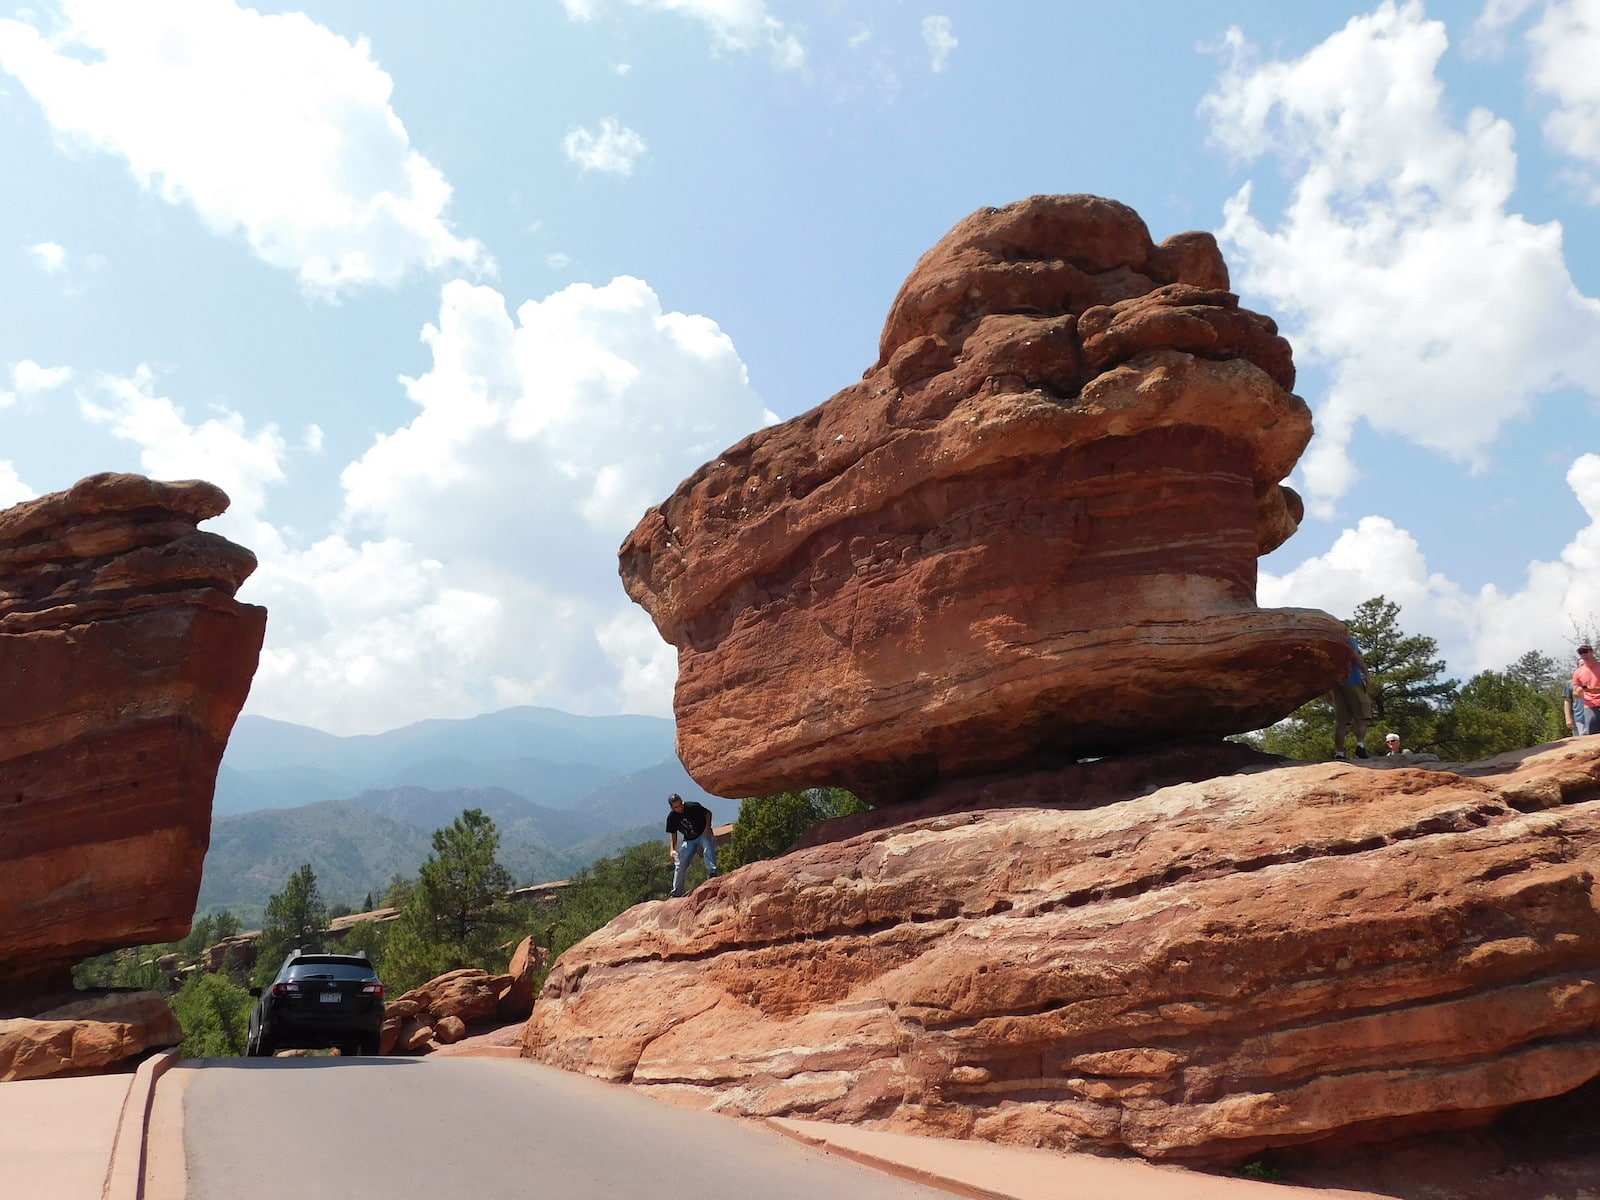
x=415, y=1037
x=1292, y=955
x=528, y=960
x=449, y=1030
x=93, y=1034
x=1028, y=535
x=399, y=1017
x=124, y=659
x=469, y=993
x=440, y=1011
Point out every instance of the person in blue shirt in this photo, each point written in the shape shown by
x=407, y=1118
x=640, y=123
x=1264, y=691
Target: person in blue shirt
x=1352, y=706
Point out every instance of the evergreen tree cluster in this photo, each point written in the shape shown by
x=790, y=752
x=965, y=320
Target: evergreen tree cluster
x=1493, y=712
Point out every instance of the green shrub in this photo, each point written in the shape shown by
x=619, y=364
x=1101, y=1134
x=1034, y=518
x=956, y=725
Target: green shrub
x=215, y=1015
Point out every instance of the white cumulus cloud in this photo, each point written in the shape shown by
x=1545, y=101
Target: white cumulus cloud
x=271, y=127
x=51, y=256
x=12, y=489
x=473, y=564
x=740, y=25
x=1486, y=630
x=1565, y=46
x=1439, y=314
x=941, y=42
x=220, y=449
x=613, y=148
x=28, y=377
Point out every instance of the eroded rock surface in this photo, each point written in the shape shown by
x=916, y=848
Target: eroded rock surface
x=124, y=659
x=1029, y=533
x=86, y=1035
x=1197, y=974
x=441, y=1011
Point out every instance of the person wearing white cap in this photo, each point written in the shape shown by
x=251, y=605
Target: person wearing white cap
x=1391, y=742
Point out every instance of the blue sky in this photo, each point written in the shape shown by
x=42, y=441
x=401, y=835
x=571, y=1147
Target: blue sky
x=444, y=304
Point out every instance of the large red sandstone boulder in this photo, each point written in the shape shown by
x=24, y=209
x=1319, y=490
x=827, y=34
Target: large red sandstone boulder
x=1029, y=533
x=124, y=660
x=85, y=1036
x=1200, y=973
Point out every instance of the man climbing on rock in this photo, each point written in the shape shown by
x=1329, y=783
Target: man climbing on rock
x=693, y=821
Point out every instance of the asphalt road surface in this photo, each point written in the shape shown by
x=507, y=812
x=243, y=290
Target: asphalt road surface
x=440, y=1128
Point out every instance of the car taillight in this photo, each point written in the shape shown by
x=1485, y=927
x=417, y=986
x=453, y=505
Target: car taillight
x=286, y=989
x=373, y=989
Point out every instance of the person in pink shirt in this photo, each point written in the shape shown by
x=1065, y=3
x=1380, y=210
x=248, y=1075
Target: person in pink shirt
x=1586, y=692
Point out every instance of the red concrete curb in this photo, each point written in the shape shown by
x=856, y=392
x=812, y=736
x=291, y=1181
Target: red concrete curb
x=125, y=1173
x=890, y=1167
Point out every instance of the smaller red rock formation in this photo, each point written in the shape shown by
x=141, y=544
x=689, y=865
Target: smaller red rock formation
x=124, y=660
x=441, y=1010
x=1029, y=534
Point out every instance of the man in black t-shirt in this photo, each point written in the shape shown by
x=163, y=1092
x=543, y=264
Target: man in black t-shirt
x=693, y=821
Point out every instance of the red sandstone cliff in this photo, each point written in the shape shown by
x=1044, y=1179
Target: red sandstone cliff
x=124, y=660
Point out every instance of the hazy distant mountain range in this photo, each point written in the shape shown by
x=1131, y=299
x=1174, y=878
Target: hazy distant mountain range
x=563, y=790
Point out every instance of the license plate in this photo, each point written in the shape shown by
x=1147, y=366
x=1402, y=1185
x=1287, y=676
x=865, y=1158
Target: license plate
x=330, y=997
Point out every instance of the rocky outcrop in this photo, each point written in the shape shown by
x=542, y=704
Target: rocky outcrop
x=1028, y=535
x=442, y=1010
x=86, y=1035
x=124, y=660
x=528, y=962
x=1287, y=956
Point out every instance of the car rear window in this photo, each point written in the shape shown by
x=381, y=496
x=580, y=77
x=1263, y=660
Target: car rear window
x=331, y=970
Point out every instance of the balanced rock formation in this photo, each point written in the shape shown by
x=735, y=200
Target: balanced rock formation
x=1028, y=534
x=1285, y=956
x=124, y=659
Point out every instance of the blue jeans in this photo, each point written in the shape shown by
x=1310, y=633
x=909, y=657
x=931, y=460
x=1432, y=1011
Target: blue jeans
x=1584, y=718
x=687, y=849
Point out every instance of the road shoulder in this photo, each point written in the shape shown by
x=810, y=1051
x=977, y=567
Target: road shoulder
x=166, y=1168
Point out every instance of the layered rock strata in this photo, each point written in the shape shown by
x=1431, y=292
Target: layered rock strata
x=124, y=659
x=86, y=1035
x=1028, y=534
x=1288, y=956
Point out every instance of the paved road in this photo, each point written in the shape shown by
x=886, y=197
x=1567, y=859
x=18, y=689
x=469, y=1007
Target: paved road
x=437, y=1128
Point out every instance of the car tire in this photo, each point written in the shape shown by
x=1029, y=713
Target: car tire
x=372, y=1045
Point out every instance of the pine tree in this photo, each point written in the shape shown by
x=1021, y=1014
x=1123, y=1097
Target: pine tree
x=295, y=917
x=1404, y=676
x=458, y=913
x=1404, y=672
